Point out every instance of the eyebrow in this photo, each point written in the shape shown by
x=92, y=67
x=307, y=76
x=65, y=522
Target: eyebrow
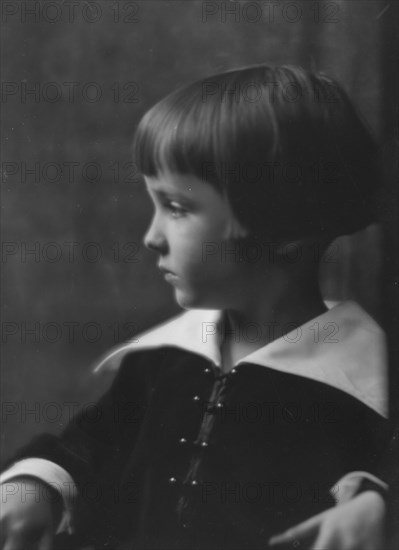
x=171, y=194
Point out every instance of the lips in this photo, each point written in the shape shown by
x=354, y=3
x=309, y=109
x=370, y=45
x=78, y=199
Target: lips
x=165, y=270
x=169, y=276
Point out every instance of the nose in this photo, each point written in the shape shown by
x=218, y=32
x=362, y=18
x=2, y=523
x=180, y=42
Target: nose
x=155, y=238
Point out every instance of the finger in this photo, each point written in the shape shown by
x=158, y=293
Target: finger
x=307, y=529
x=46, y=542
x=2, y=534
x=328, y=541
x=17, y=542
x=285, y=540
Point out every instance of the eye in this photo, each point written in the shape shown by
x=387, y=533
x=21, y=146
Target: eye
x=175, y=209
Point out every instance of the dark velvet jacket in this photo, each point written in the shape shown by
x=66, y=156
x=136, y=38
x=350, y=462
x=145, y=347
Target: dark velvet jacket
x=178, y=455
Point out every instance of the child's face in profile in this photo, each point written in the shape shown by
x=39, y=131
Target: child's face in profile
x=191, y=230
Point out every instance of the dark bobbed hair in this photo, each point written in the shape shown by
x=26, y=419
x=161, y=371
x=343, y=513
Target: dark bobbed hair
x=284, y=145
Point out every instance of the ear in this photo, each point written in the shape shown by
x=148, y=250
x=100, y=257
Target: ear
x=283, y=246
x=307, y=248
x=235, y=230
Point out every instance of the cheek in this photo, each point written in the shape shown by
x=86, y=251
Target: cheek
x=189, y=242
x=203, y=250
x=189, y=256
x=210, y=261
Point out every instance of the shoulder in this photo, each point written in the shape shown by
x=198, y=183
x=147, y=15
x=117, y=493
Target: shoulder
x=190, y=331
x=344, y=348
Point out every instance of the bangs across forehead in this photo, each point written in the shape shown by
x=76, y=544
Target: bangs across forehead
x=284, y=145
x=204, y=128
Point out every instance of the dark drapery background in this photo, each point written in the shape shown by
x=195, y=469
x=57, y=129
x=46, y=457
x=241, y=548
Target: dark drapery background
x=75, y=82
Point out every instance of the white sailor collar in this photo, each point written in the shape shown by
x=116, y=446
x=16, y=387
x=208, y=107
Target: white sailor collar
x=344, y=348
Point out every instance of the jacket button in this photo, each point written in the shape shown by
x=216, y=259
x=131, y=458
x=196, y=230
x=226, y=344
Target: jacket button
x=194, y=482
x=204, y=444
x=196, y=398
x=219, y=405
x=207, y=370
x=233, y=371
x=182, y=440
x=172, y=480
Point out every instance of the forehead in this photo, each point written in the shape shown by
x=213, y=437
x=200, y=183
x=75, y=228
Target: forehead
x=185, y=185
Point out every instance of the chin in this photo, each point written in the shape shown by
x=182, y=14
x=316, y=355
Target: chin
x=194, y=301
x=188, y=301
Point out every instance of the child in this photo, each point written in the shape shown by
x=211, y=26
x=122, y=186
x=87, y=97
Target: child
x=258, y=409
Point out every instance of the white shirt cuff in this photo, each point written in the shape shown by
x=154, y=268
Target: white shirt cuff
x=49, y=473
x=350, y=485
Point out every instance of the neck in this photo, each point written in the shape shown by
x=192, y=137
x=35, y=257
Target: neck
x=268, y=309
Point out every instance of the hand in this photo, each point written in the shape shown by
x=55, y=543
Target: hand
x=29, y=515
x=358, y=524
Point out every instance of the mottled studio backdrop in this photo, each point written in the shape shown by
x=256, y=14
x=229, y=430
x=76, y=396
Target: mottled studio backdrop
x=76, y=77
